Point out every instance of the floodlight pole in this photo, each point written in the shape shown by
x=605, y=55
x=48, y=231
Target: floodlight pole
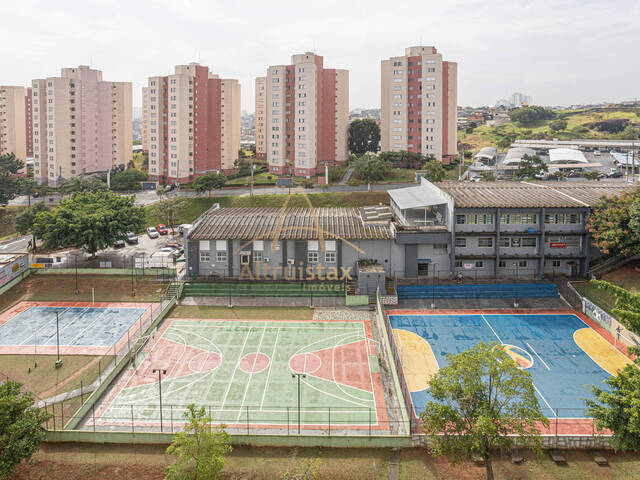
x=299, y=375
x=433, y=286
x=160, y=372
x=58, y=362
x=515, y=303
x=76, y=258
x=133, y=291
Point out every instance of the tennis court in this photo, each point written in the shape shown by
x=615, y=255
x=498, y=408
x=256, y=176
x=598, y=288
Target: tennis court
x=241, y=371
x=80, y=328
x=561, y=350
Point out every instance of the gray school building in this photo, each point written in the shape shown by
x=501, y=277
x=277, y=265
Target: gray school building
x=503, y=230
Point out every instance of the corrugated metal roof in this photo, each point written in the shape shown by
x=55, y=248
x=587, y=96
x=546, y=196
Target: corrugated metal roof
x=530, y=194
x=291, y=223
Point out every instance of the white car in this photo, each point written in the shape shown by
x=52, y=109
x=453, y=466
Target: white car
x=183, y=227
x=152, y=232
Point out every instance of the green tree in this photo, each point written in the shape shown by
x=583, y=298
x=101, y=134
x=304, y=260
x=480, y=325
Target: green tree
x=128, y=179
x=169, y=209
x=434, y=171
x=27, y=187
x=20, y=427
x=200, y=451
x=618, y=408
x=10, y=182
x=93, y=220
x=558, y=125
x=481, y=400
x=371, y=168
x=209, y=181
x=24, y=221
x=591, y=175
x=364, y=136
x=614, y=224
x=528, y=116
x=530, y=165
x=557, y=175
x=627, y=307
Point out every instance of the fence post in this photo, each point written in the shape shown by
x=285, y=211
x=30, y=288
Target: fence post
x=133, y=428
x=171, y=411
x=329, y=421
x=247, y=419
x=81, y=395
x=99, y=371
x=53, y=409
x=62, y=415
x=93, y=415
x=211, y=421
x=287, y=421
x=369, y=421
x=556, y=440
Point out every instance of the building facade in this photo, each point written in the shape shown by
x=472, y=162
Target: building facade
x=307, y=115
x=419, y=103
x=191, y=124
x=81, y=125
x=14, y=119
x=260, y=118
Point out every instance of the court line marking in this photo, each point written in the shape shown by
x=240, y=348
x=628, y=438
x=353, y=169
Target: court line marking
x=230, y=382
x=539, y=357
x=343, y=336
x=544, y=400
x=340, y=385
x=255, y=359
x=333, y=395
x=494, y=332
x=36, y=319
x=214, y=345
x=273, y=354
x=89, y=326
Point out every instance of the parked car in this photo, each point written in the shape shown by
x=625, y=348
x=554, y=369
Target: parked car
x=615, y=174
x=152, y=232
x=574, y=174
x=176, y=246
x=182, y=228
x=612, y=170
x=162, y=229
x=171, y=188
x=475, y=179
x=119, y=244
x=174, y=253
x=596, y=153
x=131, y=238
x=541, y=175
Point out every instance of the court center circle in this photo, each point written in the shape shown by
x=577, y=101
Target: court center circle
x=254, y=362
x=305, y=363
x=205, y=362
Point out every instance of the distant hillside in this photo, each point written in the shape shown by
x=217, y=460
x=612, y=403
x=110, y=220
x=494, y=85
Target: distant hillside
x=612, y=123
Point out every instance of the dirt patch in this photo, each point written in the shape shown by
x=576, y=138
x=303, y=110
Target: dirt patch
x=626, y=276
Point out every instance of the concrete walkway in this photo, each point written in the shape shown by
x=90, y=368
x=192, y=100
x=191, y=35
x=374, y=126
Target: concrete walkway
x=346, y=176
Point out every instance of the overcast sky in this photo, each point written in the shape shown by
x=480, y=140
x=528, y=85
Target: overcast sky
x=559, y=51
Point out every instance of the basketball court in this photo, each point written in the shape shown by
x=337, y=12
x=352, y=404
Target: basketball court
x=243, y=373
x=79, y=328
x=564, y=351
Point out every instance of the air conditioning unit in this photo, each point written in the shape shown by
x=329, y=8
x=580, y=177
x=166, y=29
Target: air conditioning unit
x=291, y=261
x=266, y=259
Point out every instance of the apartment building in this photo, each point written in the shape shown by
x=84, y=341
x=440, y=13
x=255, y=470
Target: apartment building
x=307, y=115
x=191, y=124
x=81, y=124
x=14, y=120
x=419, y=103
x=261, y=118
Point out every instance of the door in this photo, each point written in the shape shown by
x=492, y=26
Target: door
x=423, y=269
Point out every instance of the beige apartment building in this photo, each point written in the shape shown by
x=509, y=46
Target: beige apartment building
x=261, y=118
x=419, y=103
x=13, y=121
x=307, y=116
x=190, y=124
x=81, y=125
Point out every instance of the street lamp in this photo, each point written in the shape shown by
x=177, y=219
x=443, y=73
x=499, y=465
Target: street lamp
x=299, y=375
x=76, y=258
x=433, y=286
x=515, y=303
x=133, y=291
x=58, y=362
x=160, y=372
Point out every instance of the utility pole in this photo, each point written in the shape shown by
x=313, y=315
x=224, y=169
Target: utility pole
x=160, y=372
x=58, y=362
x=298, y=375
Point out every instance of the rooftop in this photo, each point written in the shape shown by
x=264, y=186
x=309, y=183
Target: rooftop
x=531, y=194
x=289, y=224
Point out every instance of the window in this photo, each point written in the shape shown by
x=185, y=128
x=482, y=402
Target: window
x=312, y=257
x=258, y=245
x=562, y=218
x=204, y=256
x=221, y=257
x=502, y=264
x=529, y=218
x=204, y=244
x=330, y=245
x=504, y=241
x=461, y=219
x=461, y=242
x=522, y=264
x=330, y=257
x=312, y=245
x=458, y=263
x=485, y=242
x=257, y=256
x=475, y=219
x=221, y=245
x=440, y=247
x=555, y=263
x=529, y=242
x=479, y=264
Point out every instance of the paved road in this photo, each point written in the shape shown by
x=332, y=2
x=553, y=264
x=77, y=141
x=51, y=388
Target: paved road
x=15, y=245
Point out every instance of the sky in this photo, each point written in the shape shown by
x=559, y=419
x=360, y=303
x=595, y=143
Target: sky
x=561, y=52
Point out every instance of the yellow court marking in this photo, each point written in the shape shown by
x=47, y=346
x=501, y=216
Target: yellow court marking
x=418, y=361
x=602, y=352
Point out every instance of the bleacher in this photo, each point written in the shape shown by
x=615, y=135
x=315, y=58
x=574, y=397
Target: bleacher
x=263, y=289
x=508, y=290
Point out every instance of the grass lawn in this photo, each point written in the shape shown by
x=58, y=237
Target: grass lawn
x=400, y=175
x=603, y=298
x=146, y=462
x=8, y=220
x=261, y=178
x=242, y=313
x=625, y=277
x=197, y=206
x=108, y=288
x=45, y=380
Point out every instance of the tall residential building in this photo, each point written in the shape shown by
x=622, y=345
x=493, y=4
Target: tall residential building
x=419, y=103
x=145, y=119
x=81, y=124
x=307, y=116
x=261, y=118
x=14, y=118
x=193, y=122
x=519, y=99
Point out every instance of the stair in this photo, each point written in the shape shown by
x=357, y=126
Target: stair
x=173, y=289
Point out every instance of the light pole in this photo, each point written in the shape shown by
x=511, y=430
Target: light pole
x=160, y=372
x=515, y=303
x=133, y=291
x=58, y=362
x=299, y=375
x=76, y=258
x=433, y=286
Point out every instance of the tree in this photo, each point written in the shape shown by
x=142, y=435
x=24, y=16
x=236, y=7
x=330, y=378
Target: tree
x=20, y=427
x=617, y=408
x=24, y=221
x=27, y=187
x=128, y=179
x=557, y=175
x=627, y=307
x=364, y=136
x=528, y=116
x=433, y=171
x=591, y=175
x=481, y=399
x=10, y=166
x=209, y=181
x=93, y=220
x=200, y=451
x=371, y=168
x=614, y=224
x=531, y=165
x=558, y=125
x=169, y=209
